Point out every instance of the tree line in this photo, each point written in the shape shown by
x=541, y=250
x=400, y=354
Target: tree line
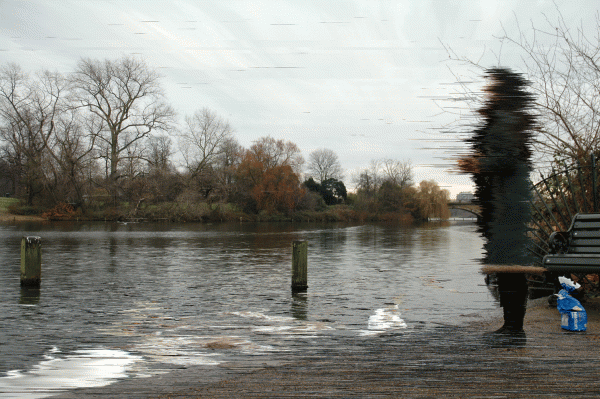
x=103, y=141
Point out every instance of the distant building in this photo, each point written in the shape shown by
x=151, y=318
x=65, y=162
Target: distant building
x=465, y=196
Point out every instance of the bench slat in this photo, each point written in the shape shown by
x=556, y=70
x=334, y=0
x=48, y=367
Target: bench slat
x=584, y=250
x=586, y=269
x=586, y=224
x=571, y=259
x=586, y=234
x=584, y=243
x=573, y=263
x=587, y=216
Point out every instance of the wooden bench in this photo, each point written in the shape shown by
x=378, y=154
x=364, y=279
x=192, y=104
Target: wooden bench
x=576, y=250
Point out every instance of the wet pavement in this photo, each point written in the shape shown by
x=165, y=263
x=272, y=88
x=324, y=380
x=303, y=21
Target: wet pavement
x=448, y=361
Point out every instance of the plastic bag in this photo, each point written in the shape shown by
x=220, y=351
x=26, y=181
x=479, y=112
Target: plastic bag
x=568, y=284
x=574, y=321
x=573, y=315
x=566, y=303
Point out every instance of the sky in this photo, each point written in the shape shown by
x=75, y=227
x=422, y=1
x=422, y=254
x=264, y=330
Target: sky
x=367, y=79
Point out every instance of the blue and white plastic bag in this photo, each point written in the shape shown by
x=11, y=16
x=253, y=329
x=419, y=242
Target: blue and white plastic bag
x=573, y=315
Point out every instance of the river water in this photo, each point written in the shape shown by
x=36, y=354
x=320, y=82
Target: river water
x=133, y=300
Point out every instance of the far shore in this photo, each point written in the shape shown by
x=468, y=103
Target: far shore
x=333, y=214
x=9, y=217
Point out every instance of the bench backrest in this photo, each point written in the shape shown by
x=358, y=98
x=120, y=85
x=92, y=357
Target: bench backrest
x=585, y=234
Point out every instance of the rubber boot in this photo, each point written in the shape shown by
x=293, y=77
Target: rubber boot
x=513, y=321
x=513, y=299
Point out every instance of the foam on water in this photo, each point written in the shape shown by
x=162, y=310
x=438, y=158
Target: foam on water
x=178, y=350
x=189, y=350
x=383, y=320
x=261, y=316
x=84, y=368
x=282, y=325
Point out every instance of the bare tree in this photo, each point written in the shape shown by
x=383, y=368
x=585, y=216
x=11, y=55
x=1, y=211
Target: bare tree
x=230, y=155
x=132, y=160
x=28, y=111
x=368, y=180
x=71, y=150
x=563, y=66
x=162, y=181
x=202, y=141
x=565, y=77
x=6, y=172
x=397, y=172
x=160, y=150
x=394, y=172
x=125, y=98
x=323, y=164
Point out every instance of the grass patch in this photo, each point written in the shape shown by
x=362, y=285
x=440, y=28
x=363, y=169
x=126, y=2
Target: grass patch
x=5, y=202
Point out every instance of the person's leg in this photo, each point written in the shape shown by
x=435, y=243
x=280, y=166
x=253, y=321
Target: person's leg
x=513, y=299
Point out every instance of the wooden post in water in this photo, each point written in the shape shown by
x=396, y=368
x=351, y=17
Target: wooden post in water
x=31, y=261
x=299, y=266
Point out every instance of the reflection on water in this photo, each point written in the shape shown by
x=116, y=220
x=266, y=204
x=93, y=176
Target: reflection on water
x=29, y=295
x=178, y=295
x=84, y=368
x=299, y=305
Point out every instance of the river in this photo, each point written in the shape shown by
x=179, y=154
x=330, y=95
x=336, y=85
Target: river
x=133, y=300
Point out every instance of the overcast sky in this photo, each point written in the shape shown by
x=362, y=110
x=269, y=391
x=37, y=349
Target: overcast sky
x=363, y=78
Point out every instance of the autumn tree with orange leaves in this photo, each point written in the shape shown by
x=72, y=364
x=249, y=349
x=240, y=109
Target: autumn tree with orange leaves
x=268, y=176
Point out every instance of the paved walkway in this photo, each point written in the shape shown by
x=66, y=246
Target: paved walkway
x=446, y=362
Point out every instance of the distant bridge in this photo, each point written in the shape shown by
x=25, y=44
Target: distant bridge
x=466, y=206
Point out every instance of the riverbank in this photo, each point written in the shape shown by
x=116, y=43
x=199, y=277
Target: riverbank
x=10, y=218
x=7, y=217
x=174, y=212
x=448, y=361
x=319, y=217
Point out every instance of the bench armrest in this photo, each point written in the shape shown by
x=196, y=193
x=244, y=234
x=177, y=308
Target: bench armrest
x=559, y=242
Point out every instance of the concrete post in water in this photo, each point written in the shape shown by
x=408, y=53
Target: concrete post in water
x=31, y=261
x=299, y=266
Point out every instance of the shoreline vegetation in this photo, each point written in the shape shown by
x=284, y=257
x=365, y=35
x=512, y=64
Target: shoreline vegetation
x=12, y=210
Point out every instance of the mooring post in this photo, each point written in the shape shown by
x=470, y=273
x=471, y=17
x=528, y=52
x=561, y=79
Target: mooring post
x=299, y=266
x=31, y=261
